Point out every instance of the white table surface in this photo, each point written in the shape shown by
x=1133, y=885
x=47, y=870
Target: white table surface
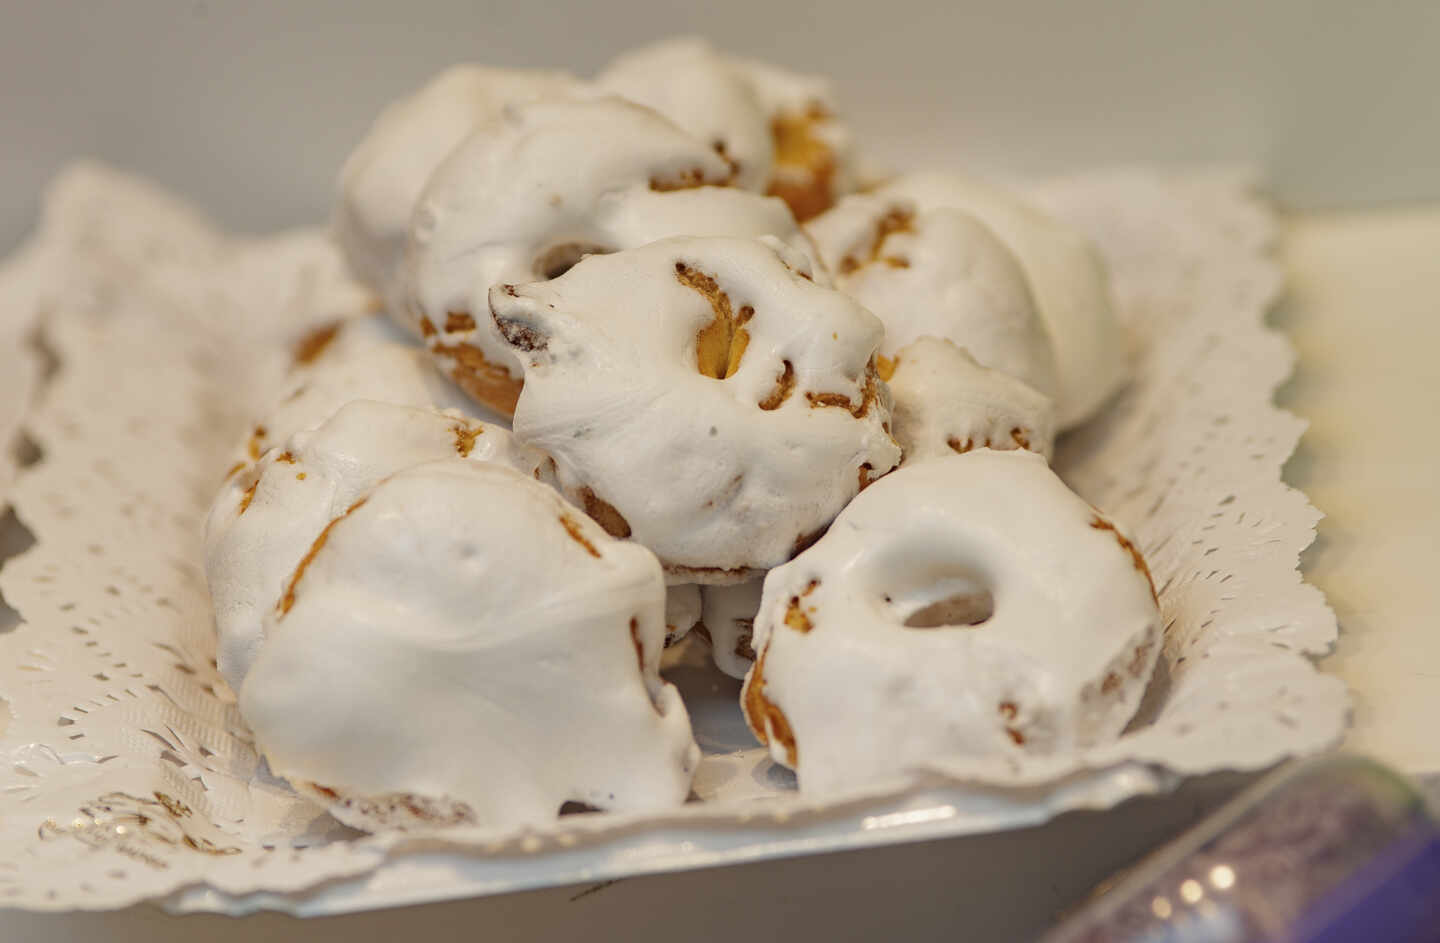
x=1363, y=310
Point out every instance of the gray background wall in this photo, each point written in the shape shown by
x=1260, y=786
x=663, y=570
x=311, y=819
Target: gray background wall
x=249, y=107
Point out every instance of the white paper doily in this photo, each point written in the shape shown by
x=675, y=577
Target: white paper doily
x=126, y=776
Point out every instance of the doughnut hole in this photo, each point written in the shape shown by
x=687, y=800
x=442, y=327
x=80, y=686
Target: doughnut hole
x=943, y=594
x=954, y=593
x=966, y=606
x=559, y=259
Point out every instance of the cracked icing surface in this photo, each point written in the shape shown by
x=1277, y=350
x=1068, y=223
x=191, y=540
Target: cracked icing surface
x=650, y=377
x=946, y=403
x=937, y=272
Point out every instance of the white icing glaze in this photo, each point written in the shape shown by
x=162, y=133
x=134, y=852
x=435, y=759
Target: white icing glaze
x=719, y=476
x=728, y=614
x=682, y=611
x=945, y=402
x=859, y=695
x=360, y=358
x=687, y=81
x=466, y=595
x=781, y=91
x=385, y=174
x=366, y=359
x=266, y=517
x=779, y=127
x=537, y=178
x=551, y=181
x=796, y=100
x=645, y=216
x=939, y=272
x=1066, y=274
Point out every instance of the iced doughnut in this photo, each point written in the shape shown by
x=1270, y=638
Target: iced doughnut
x=682, y=611
x=267, y=516
x=777, y=128
x=550, y=183
x=703, y=396
x=700, y=90
x=938, y=272
x=814, y=149
x=961, y=612
x=945, y=402
x=728, y=615
x=383, y=177
x=359, y=358
x=1067, y=276
x=460, y=639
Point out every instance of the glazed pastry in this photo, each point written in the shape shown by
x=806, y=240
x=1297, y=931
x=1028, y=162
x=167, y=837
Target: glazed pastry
x=431, y=620
x=360, y=358
x=682, y=611
x=703, y=396
x=938, y=272
x=965, y=609
x=814, y=149
x=547, y=185
x=704, y=93
x=728, y=615
x=945, y=402
x=385, y=174
x=462, y=646
x=1066, y=275
x=777, y=128
x=268, y=515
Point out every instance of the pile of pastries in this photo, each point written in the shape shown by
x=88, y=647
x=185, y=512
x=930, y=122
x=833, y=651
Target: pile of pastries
x=657, y=358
